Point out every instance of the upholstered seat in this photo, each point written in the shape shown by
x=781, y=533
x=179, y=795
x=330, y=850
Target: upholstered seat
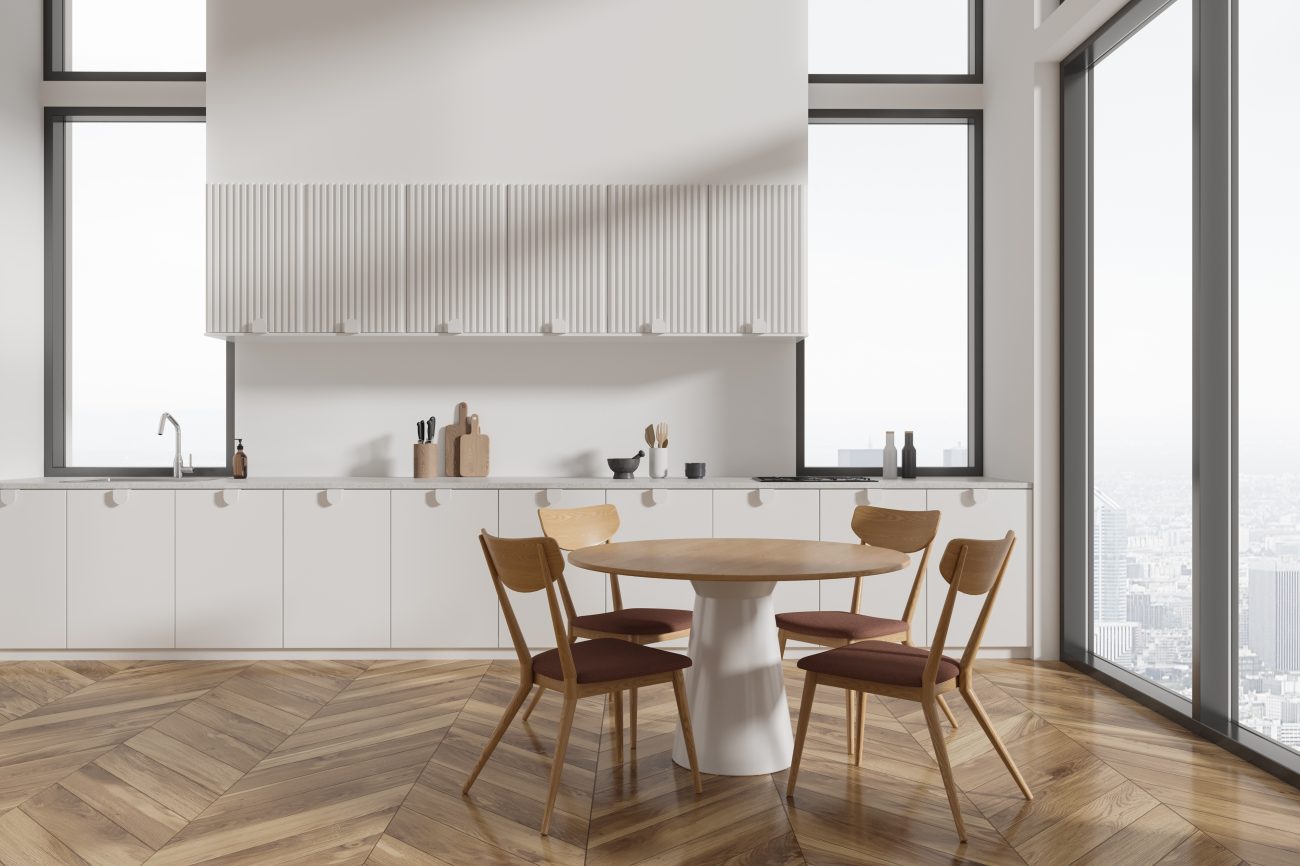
x=636, y=621
x=607, y=658
x=879, y=661
x=839, y=624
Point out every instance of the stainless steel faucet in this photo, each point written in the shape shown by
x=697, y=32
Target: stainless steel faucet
x=178, y=465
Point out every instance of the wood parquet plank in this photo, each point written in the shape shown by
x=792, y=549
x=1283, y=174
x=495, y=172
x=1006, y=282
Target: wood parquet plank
x=298, y=763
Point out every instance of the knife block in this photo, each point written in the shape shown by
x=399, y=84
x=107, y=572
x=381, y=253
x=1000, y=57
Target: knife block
x=426, y=460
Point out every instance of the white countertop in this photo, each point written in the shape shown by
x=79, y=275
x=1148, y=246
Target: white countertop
x=494, y=483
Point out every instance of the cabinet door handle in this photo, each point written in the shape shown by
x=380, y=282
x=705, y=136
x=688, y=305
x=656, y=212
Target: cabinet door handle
x=557, y=326
x=119, y=496
x=439, y=496
x=453, y=326
x=350, y=326
x=553, y=496
x=758, y=326
x=334, y=496
x=864, y=497
x=764, y=495
x=977, y=495
x=230, y=496
x=658, y=495
x=8, y=497
x=256, y=326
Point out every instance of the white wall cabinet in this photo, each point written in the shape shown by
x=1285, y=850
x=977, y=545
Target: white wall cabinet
x=644, y=515
x=773, y=513
x=121, y=575
x=518, y=515
x=983, y=514
x=336, y=569
x=229, y=555
x=33, y=580
x=442, y=593
x=883, y=595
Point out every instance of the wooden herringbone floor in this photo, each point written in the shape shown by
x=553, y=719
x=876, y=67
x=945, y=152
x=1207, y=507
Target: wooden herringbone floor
x=325, y=763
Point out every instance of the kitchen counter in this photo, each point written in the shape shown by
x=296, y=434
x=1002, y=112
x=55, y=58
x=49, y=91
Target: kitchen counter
x=497, y=483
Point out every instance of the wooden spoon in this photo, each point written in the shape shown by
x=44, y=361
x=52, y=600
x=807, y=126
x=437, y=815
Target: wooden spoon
x=650, y=435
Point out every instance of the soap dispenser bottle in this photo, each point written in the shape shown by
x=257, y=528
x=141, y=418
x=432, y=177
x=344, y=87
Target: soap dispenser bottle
x=240, y=461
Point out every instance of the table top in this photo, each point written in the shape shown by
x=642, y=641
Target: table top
x=738, y=559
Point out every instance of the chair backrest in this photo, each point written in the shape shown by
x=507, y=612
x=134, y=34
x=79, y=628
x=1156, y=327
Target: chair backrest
x=527, y=565
x=973, y=567
x=575, y=528
x=901, y=530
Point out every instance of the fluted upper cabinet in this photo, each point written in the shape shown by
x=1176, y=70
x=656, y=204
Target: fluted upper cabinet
x=526, y=259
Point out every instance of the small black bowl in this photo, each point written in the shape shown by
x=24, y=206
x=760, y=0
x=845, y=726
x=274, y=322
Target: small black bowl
x=694, y=470
x=623, y=467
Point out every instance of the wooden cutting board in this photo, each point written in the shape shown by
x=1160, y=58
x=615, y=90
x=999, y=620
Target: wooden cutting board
x=450, y=434
x=472, y=451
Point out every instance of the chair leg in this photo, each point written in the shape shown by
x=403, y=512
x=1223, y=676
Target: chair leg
x=557, y=767
x=943, y=705
x=618, y=727
x=849, y=727
x=537, y=699
x=982, y=717
x=780, y=636
x=506, y=718
x=805, y=712
x=688, y=735
x=631, y=712
x=862, y=728
x=945, y=768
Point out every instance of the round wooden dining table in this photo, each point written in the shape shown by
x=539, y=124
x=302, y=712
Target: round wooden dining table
x=734, y=686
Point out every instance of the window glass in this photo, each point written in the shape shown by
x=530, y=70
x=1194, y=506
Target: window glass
x=888, y=293
x=135, y=297
x=1268, y=306
x=888, y=37
x=1142, y=352
x=134, y=35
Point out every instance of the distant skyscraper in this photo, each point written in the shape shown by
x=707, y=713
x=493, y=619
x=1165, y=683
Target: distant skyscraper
x=955, y=456
x=851, y=457
x=1274, y=627
x=1109, y=560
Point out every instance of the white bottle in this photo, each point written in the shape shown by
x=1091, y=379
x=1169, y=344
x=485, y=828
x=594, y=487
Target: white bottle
x=891, y=456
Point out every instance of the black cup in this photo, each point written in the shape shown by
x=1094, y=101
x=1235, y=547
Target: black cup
x=694, y=470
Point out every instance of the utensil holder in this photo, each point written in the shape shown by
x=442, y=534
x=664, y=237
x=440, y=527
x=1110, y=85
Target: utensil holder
x=658, y=462
x=426, y=460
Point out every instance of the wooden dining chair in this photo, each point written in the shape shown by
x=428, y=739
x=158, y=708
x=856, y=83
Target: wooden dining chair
x=604, y=666
x=573, y=529
x=901, y=671
x=891, y=528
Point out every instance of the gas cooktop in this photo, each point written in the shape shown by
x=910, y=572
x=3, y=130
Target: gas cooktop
x=855, y=479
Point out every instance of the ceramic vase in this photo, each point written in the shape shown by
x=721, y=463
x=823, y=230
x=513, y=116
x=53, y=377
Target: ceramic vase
x=890, y=467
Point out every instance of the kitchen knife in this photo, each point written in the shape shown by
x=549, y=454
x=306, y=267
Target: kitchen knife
x=419, y=431
x=431, y=428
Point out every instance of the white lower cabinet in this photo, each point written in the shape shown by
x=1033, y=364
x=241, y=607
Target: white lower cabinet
x=645, y=515
x=518, y=515
x=773, y=513
x=336, y=569
x=442, y=593
x=883, y=595
x=33, y=579
x=229, y=577
x=983, y=514
x=121, y=575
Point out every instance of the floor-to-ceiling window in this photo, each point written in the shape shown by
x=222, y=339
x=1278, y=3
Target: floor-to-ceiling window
x=1181, y=434
x=1142, y=349
x=1268, y=412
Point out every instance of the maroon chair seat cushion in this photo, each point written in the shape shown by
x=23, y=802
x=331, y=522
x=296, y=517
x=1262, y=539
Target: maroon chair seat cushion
x=839, y=624
x=636, y=620
x=879, y=661
x=608, y=658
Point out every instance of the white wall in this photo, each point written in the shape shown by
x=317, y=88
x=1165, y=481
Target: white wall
x=22, y=207
x=507, y=91
x=555, y=407
x=544, y=91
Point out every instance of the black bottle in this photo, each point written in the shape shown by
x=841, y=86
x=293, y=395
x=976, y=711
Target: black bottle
x=909, y=456
x=240, y=461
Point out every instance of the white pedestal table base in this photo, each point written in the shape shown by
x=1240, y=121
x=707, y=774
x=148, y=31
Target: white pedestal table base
x=734, y=686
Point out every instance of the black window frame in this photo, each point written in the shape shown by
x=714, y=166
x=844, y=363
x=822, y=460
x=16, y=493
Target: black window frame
x=1212, y=710
x=56, y=464
x=974, y=61
x=54, y=39
x=973, y=119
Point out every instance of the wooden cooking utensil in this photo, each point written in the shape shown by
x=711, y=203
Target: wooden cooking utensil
x=472, y=451
x=650, y=435
x=450, y=434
